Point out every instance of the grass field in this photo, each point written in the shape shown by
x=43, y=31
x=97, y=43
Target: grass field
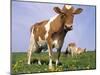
x=84, y=61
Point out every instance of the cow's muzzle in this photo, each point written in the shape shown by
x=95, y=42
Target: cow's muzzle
x=68, y=27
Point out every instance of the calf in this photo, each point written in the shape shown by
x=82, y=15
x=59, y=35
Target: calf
x=52, y=32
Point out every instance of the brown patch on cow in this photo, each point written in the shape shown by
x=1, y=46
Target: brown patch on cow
x=56, y=25
x=39, y=30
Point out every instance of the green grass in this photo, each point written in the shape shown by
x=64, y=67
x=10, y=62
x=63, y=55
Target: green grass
x=84, y=61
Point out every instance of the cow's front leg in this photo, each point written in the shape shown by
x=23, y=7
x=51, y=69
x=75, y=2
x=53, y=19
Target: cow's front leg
x=58, y=46
x=58, y=56
x=72, y=53
x=50, y=53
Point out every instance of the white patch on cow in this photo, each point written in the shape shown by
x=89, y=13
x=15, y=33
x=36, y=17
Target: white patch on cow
x=68, y=6
x=40, y=39
x=55, y=42
x=50, y=62
x=41, y=42
x=76, y=49
x=68, y=25
x=39, y=62
x=57, y=61
x=47, y=26
x=29, y=57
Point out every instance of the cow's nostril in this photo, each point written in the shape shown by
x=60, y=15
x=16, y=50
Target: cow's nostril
x=65, y=27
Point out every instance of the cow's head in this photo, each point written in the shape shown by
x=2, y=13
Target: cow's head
x=67, y=15
x=71, y=46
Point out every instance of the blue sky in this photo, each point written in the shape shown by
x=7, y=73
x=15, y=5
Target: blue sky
x=25, y=14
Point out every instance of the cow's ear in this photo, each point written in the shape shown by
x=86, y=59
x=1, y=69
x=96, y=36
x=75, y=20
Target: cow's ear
x=57, y=10
x=77, y=11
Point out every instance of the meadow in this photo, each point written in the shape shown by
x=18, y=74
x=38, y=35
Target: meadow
x=85, y=61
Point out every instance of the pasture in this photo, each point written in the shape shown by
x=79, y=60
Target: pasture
x=85, y=61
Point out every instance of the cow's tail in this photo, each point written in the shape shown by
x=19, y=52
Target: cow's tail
x=32, y=28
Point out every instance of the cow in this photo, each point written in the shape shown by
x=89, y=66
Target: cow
x=71, y=49
x=74, y=50
x=51, y=33
x=81, y=50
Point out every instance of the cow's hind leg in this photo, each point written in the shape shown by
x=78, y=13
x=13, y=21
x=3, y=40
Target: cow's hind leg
x=58, y=56
x=35, y=49
x=29, y=56
x=39, y=55
x=31, y=47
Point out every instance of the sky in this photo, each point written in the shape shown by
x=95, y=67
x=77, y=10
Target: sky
x=26, y=14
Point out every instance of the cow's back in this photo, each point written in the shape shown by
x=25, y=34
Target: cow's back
x=39, y=30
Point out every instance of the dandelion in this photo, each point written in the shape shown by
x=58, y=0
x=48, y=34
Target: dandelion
x=88, y=67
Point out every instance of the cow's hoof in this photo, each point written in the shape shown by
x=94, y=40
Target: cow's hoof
x=39, y=63
x=28, y=63
x=51, y=68
x=58, y=64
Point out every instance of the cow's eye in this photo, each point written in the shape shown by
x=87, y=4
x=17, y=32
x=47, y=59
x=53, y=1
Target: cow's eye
x=66, y=15
x=72, y=15
x=63, y=15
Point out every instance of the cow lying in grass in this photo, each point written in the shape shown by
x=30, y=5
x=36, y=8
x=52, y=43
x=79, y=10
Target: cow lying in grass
x=73, y=50
x=81, y=50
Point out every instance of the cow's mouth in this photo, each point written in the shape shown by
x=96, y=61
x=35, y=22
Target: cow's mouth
x=69, y=29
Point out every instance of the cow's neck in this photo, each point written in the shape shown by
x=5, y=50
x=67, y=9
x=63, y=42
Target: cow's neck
x=57, y=24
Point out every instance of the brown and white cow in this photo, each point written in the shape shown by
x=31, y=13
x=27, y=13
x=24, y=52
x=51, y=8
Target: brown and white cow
x=74, y=50
x=52, y=32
